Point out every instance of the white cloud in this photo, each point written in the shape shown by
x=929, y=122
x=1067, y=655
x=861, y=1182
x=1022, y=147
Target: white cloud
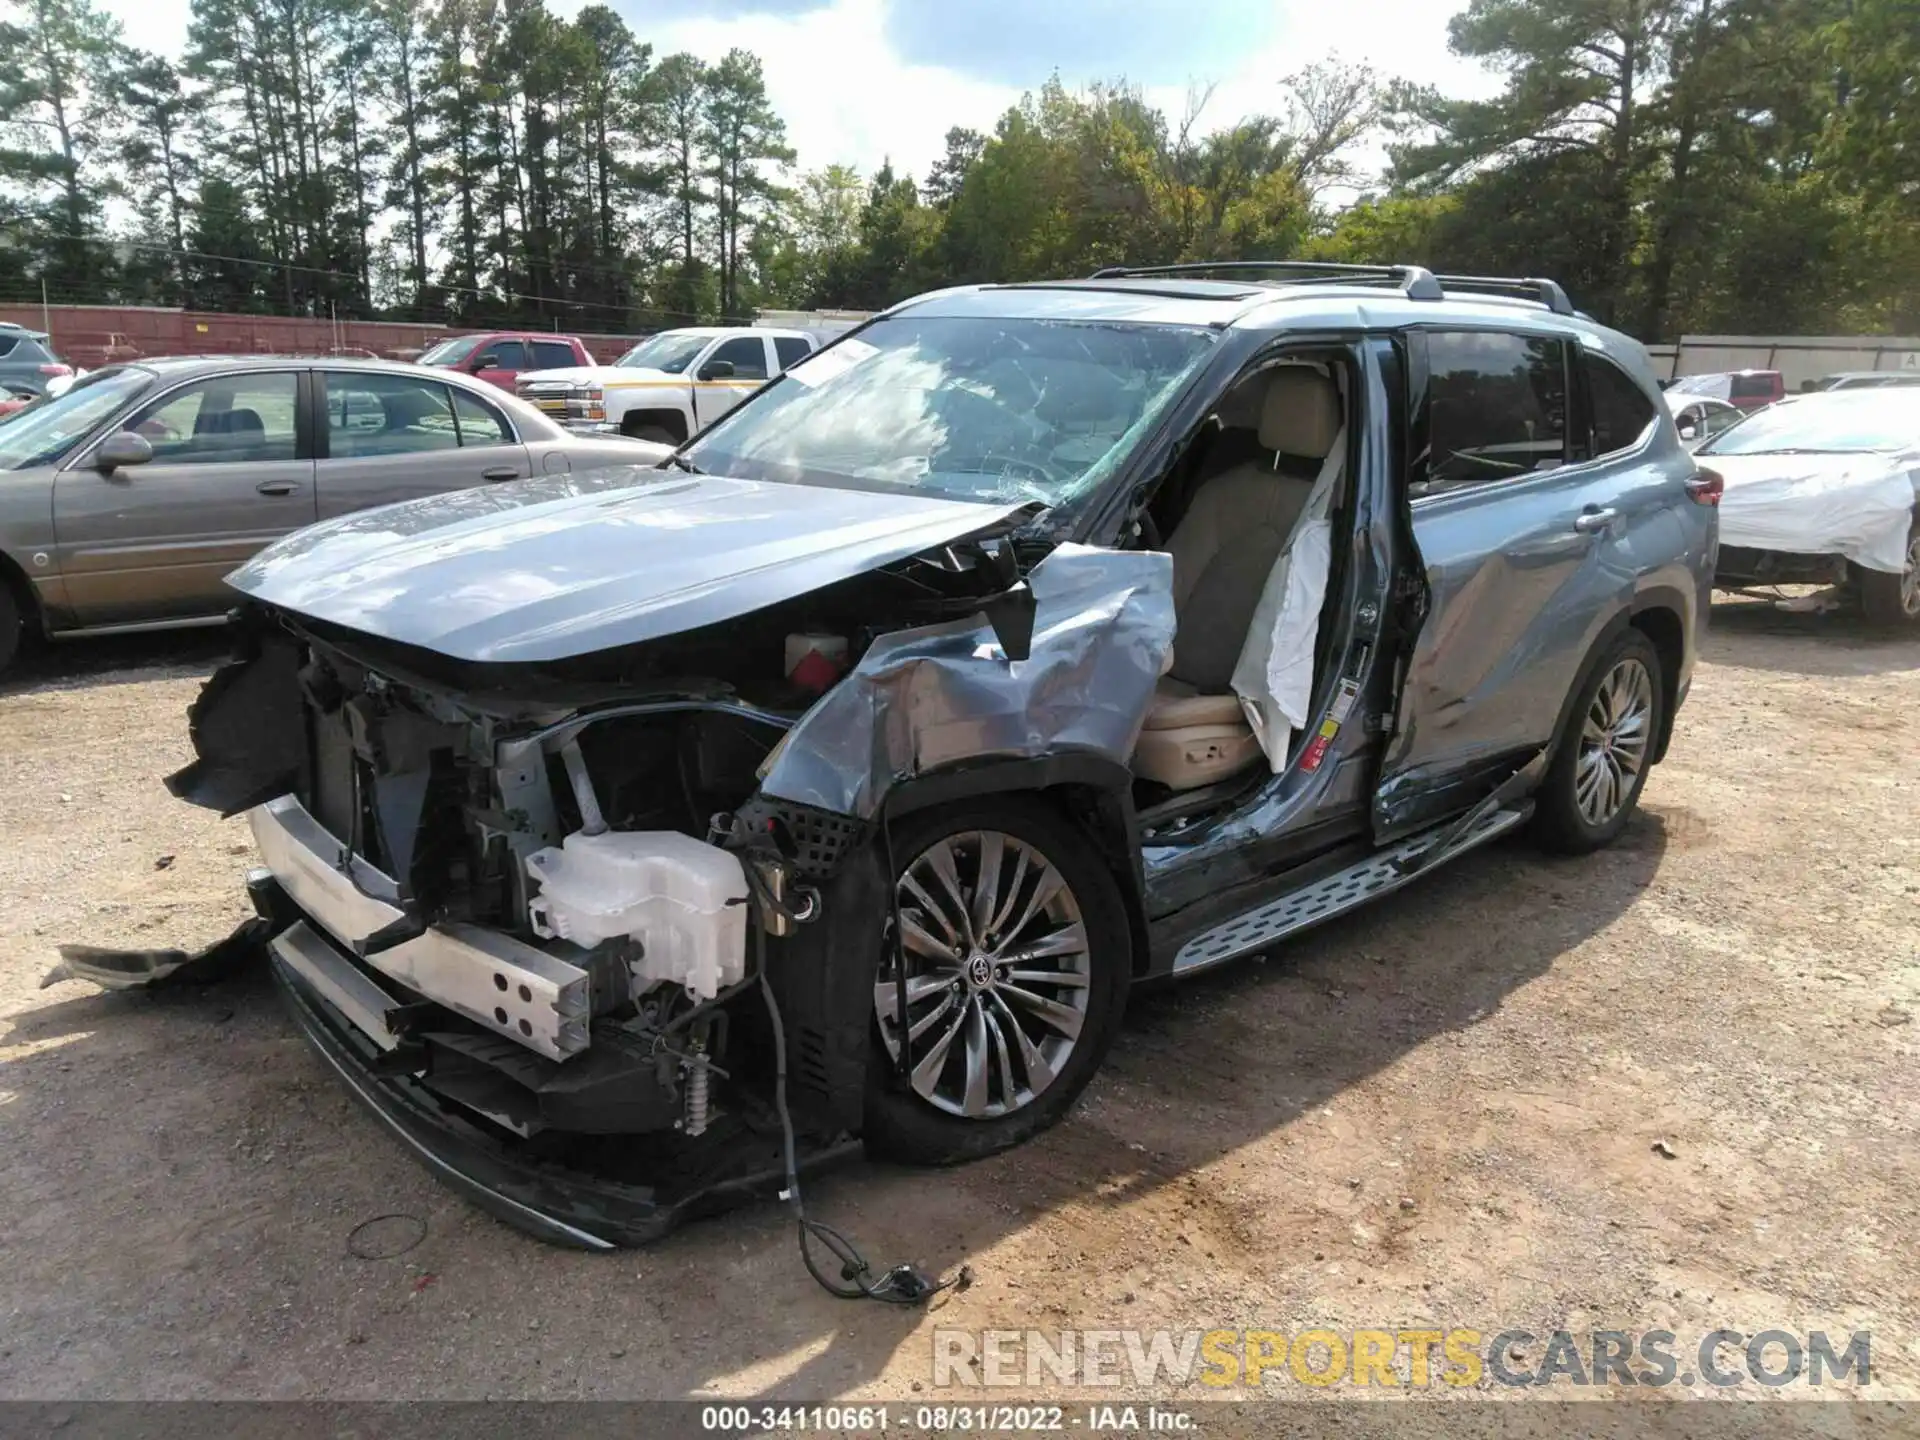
x=846, y=96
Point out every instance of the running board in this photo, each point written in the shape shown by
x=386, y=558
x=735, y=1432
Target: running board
x=1381, y=872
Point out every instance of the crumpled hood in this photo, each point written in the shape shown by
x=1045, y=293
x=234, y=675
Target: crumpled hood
x=562, y=565
x=1859, y=506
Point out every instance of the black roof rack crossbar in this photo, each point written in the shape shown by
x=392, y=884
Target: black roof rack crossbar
x=1547, y=292
x=1415, y=280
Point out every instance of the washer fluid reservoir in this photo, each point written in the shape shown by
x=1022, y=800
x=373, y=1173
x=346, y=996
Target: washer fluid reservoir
x=683, y=900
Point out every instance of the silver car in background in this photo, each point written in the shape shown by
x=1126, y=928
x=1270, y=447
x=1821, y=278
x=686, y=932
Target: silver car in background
x=129, y=498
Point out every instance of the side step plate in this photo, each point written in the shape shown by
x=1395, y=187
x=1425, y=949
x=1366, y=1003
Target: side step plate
x=1374, y=876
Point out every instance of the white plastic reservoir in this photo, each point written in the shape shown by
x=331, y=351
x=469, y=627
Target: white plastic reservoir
x=684, y=901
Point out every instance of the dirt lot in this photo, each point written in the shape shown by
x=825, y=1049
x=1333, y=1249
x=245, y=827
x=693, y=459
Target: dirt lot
x=1444, y=1110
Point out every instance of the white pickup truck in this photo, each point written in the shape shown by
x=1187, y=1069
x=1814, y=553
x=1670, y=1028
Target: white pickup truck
x=670, y=386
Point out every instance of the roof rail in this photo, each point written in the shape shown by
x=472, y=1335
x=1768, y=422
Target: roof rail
x=1414, y=280
x=1547, y=292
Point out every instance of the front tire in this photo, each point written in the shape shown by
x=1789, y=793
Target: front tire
x=1893, y=601
x=1018, y=954
x=13, y=627
x=1605, y=750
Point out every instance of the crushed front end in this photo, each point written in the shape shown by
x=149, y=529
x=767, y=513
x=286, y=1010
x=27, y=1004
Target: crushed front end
x=572, y=807
x=529, y=934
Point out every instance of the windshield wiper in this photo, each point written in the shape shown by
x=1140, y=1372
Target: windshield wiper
x=680, y=462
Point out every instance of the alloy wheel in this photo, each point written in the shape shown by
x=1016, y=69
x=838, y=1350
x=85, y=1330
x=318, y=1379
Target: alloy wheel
x=1614, y=742
x=1910, y=578
x=997, y=974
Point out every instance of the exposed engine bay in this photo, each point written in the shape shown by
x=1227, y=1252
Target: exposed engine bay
x=609, y=852
x=553, y=909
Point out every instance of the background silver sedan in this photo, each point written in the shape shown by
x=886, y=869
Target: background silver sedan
x=1701, y=417
x=125, y=501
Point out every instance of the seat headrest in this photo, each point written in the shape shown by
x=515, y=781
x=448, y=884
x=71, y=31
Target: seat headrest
x=1300, y=413
x=228, y=422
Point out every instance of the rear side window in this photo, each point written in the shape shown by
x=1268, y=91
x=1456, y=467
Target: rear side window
x=1622, y=414
x=552, y=355
x=480, y=423
x=7, y=342
x=791, y=349
x=1496, y=407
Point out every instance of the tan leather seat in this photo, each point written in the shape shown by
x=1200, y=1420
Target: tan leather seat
x=1224, y=549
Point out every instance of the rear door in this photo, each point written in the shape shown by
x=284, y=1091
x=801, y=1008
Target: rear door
x=790, y=350
x=554, y=355
x=714, y=394
x=232, y=471
x=389, y=436
x=1525, y=516
x=499, y=362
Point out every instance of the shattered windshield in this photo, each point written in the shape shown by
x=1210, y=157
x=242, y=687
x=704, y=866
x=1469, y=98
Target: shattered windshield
x=974, y=408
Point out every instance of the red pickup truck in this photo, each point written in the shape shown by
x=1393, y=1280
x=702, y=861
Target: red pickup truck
x=496, y=356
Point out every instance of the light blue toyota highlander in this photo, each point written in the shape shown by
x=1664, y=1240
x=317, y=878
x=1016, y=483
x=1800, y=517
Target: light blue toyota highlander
x=837, y=779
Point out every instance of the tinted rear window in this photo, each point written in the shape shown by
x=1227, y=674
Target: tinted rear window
x=1755, y=387
x=1622, y=414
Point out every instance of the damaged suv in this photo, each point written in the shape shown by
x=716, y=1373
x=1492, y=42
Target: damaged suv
x=831, y=785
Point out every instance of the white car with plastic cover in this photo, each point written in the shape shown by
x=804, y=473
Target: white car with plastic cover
x=1821, y=489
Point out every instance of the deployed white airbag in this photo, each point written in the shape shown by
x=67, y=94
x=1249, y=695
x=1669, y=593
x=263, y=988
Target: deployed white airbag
x=1859, y=506
x=1274, y=676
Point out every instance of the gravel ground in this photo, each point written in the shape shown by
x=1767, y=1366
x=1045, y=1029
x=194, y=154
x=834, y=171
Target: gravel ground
x=1668, y=1086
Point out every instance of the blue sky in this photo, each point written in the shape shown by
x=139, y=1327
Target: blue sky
x=862, y=81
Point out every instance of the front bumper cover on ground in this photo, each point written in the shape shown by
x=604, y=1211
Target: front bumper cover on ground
x=553, y=1203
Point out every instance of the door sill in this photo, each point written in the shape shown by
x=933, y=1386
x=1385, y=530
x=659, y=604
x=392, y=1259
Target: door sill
x=1378, y=874
x=140, y=627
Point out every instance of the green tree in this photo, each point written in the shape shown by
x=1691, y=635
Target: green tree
x=740, y=134
x=55, y=61
x=159, y=115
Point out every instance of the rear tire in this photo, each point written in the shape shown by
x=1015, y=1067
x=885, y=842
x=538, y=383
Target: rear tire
x=1604, y=751
x=1893, y=601
x=1015, y=1024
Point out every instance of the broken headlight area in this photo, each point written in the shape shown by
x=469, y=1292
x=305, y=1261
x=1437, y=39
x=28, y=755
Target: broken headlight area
x=620, y=915
x=545, y=920
x=542, y=899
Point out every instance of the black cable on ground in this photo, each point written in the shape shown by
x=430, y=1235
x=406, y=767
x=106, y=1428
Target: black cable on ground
x=903, y=1284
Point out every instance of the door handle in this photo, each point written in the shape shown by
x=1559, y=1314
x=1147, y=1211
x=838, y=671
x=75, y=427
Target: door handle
x=500, y=472
x=276, y=487
x=1593, y=520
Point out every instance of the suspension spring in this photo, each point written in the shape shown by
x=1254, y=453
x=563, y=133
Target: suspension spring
x=697, y=1080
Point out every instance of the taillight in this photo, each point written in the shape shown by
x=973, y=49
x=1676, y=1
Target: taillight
x=1705, y=487
x=56, y=369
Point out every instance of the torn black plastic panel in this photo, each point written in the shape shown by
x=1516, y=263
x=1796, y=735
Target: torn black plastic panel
x=159, y=969
x=247, y=729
